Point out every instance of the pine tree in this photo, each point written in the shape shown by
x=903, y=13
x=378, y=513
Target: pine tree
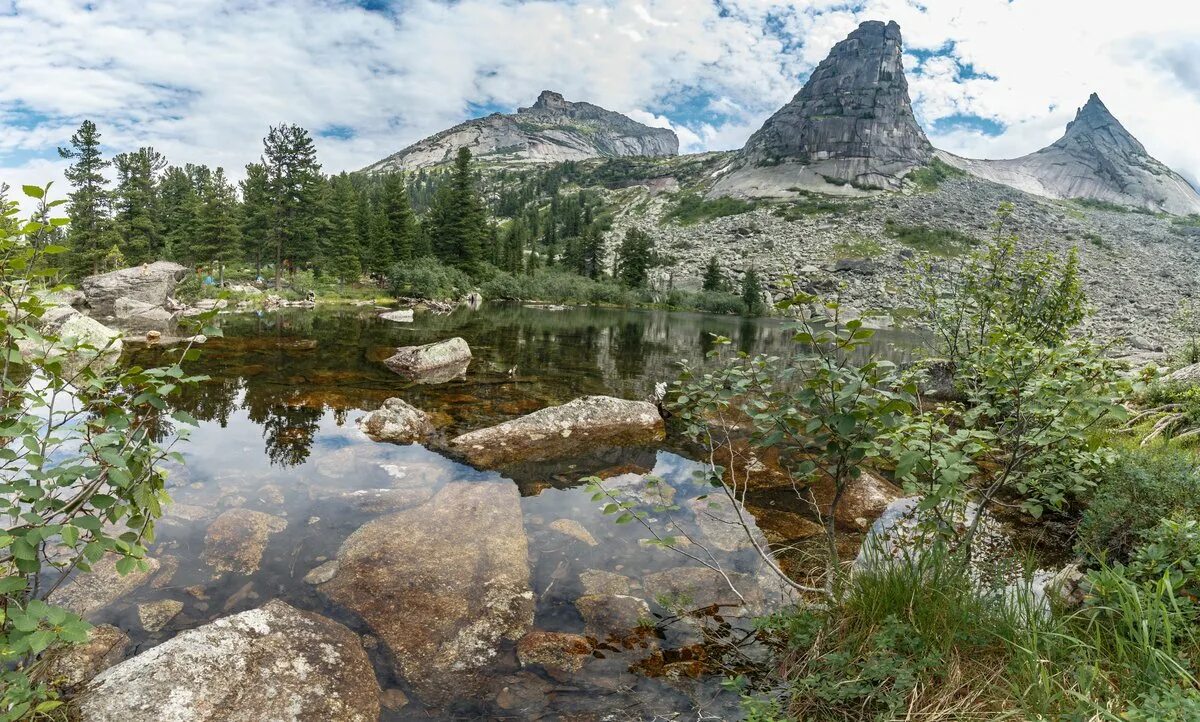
x=8, y=211
x=135, y=204
x=218, y=233
x=179, y=212
x=458, y=224
x=89, y=201
x=257, y=214
x=635, y=256
x=342, y=254
x=591, y=252
x=713, y=280
x=401, y=223
x=752, y=293
x=294, y=187
x=512, y=256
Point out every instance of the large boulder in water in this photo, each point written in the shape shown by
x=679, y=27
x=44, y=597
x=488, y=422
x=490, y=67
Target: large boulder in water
x=442, y=584
x=557, y=432
x=272, y=663
x=397, y=421
x=139, y=317
x=150, y=283
x=433, y=362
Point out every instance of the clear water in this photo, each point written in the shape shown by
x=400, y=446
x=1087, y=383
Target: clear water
x=277, y=435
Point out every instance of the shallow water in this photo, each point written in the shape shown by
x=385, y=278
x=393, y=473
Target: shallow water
x=277, y=435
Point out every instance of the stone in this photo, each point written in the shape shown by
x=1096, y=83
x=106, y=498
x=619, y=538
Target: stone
x=393, y=699
x=403, y=315
x=1096, y=158
x=937, y=380
x=850, y=126
x=1142, y=343
x=585, y=424
x=613, y=616
x=155, y=615
x=237, y=538
x=552, y=130
x=432, y=363
x=90, y=592
x=322, y=573
x=75, y=665
x=699, y=587
x=573, y=529
x=640, y=488
x=150, y=283
x=598, y=581
x=780, y=526
x=725, y=526
x=272, y=663
x=556, y=651
x=398, y=422
x=442, y=584
x=65, y=323
x=376, y=501
x=1186, y=376
x=137, y=316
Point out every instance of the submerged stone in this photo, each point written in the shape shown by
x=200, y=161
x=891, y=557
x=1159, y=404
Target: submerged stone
x=573, y=529
x=273, y=663
x=613, y=616
x=89, y=592
x=236, y=540
x=442, y=584
x=562, y=431
x=156, y=615
x=556, y=651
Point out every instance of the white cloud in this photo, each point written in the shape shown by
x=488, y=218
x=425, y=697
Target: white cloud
x=202, y=80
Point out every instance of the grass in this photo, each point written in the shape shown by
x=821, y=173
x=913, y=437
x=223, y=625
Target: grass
x=934, y=174
x=692, y=208
x=1098, y=205
x=857, y=247
x=814, y=204
x=945, y=242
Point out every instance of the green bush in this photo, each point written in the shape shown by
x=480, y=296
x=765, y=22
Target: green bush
x=706, y=301
x=936, y=241
x=429, y=279
x=1137, y=491
x=932, y=175
x=693, y=208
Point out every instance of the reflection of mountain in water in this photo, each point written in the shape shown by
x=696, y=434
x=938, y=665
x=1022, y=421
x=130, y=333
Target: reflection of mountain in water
x=288, y=369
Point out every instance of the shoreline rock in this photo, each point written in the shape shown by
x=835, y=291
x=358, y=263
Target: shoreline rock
x=432, y=363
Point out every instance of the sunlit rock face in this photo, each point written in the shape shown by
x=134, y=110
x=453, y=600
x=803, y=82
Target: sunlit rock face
x=551, y=130
x=1097, y=159
x=850, y=127
x=443, y=584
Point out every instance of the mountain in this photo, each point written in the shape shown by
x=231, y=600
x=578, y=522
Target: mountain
x=550, y=131
x=852, y=124
x=1096, y=159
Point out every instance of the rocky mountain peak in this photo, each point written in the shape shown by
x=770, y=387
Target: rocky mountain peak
x=852, y=123
x=550, y=100
x=1094, y=124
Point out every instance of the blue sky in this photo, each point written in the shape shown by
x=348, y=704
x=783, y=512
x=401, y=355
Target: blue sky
x=202, y=80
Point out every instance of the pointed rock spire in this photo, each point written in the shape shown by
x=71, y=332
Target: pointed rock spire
x=851, y=123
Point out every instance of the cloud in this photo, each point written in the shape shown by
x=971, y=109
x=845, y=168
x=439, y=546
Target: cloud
x=203, y=80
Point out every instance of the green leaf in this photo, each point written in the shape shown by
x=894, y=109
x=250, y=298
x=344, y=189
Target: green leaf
x=33, y=191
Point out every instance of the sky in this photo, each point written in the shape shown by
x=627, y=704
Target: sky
x=202, y=80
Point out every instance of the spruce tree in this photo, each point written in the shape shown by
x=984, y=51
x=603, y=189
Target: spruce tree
x=343, y=250
x=512, y=257
x=294, y=187
x=713, y=280
x=635, y=256
x=179, y=212
x=89, y=201
x=458, y=223
x=752, y=293
x=591, y=252
x=218, y=231
x=256, y=214
x=135, y=204
x=401, y=223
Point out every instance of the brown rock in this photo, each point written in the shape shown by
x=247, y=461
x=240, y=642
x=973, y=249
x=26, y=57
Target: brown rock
x=89, y=592
x=76, y=665
x=236, y=540
x=607, y=616
x=554, y=650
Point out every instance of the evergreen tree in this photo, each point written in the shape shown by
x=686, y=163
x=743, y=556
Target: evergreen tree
x=401, y=223
x=257, y=214
x=512, y=256
x=342, y=255
x=752, y=293
x=218, y=237
x=591, y=252
x=294, y=187
x=89, y=202
x=135, y=204
x=363, y=225
x=635, y=256
x=179, y=213
x=713, y=280
x=8, y=208
x=458, y=225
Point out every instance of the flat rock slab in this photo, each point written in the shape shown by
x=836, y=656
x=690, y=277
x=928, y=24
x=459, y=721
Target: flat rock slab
x=562, y=431
x=89, y=592
x=433, y=362
x=442, y=584
x=273, y=663
x=235, y=540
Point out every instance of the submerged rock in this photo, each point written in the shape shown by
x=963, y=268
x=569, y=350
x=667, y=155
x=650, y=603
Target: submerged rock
x=561, y=431
x=155, y=615
x=141, y=317
x=75, y=665
x=235, y=540
x=573, y=529
x=598, y=581
x=557, y=651
x=442, y=584
x=397, y=421
x=433, y=362
x=273, y=663
x=150, y=283
x=613, y=616
x=403, y=315
x=89, y=592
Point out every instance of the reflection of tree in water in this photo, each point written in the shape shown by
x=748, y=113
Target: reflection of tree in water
x=630, y=349
x=212, y=400
x=287, y=430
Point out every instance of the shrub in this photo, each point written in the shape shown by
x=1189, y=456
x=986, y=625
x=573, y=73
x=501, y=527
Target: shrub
x=1142, y=487
x=430, y=279
x=932, y=175
x=706, y=301
x=936, y=241
x=692, y=208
